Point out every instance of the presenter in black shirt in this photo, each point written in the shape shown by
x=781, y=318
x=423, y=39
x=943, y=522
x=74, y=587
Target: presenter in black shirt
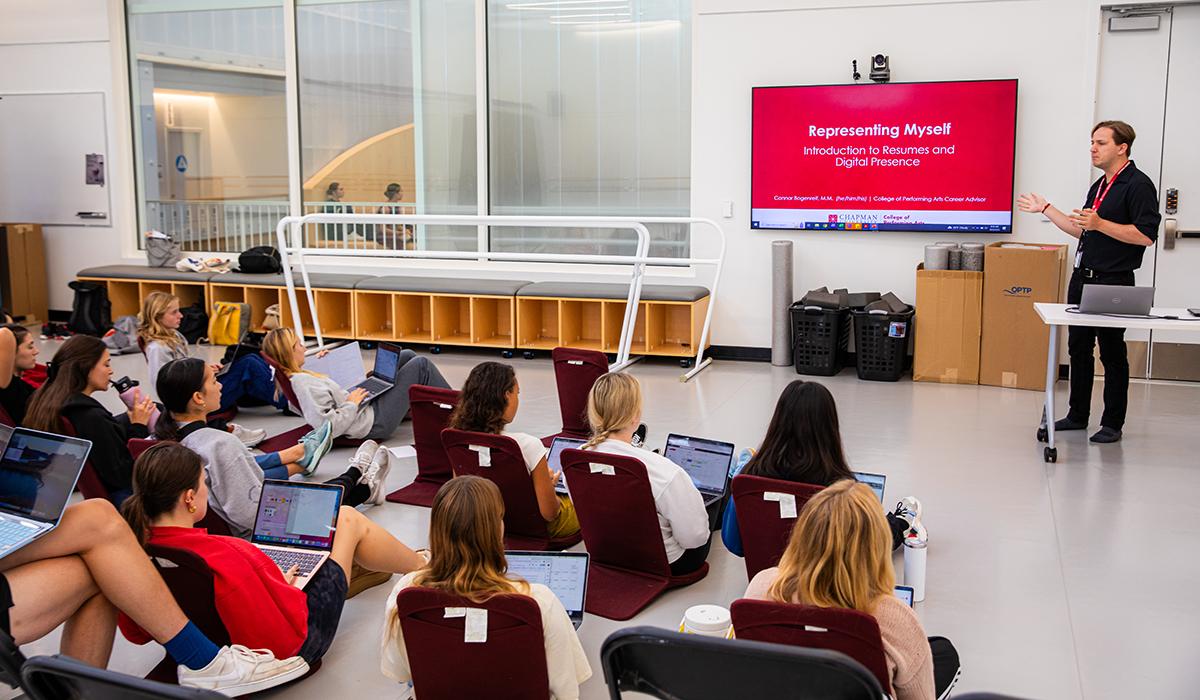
x=1117, y=223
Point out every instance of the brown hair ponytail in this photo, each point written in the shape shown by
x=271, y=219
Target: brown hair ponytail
x=484, y=399
x=161, y=475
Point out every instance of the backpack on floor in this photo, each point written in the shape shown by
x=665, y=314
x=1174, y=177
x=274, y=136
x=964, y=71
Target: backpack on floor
x=121, y=339
x=194, y=324
x=91, y=312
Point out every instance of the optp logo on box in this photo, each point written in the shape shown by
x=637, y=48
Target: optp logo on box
x=1023, y=292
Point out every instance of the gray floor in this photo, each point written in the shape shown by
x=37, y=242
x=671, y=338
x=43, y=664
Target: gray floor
x=1053, y=580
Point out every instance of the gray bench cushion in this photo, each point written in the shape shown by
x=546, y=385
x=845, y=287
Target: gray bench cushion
x=320, y=280
x=442, y=285
x=602, y=290
x=144, y=272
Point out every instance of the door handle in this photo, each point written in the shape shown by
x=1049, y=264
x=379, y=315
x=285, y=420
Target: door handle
x=1170, y=233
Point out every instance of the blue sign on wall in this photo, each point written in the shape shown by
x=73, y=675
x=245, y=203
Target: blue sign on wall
x=181, y=164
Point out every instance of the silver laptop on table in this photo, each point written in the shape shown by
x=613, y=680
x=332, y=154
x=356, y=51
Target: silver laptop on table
x=706, y=461
x=1113, y=299
x=38, y=472
x=554, y=459
x=387, y=364
x=875, y=481
x=295, y=525
x=564, y=573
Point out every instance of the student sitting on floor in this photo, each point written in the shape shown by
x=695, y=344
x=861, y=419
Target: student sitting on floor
x=466, y=535
x=255, y=599
x=840, y=557
x=17, y=356
x=248, y=376
x=35, y=376
x=487, y=403
x=79, y=369
x=804, y=444
x=615, y=412
x=189, y=389
x=80, y=573
x=321, y=399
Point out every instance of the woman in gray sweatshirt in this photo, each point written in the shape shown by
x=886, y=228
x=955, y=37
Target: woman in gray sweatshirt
x=321, y=399
x=189, y=390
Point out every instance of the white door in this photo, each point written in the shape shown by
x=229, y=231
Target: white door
x=1176, y=354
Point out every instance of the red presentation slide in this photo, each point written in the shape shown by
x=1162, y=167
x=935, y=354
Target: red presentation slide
x=900, y=156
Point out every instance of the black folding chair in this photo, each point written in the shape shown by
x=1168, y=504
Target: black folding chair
x=11, y=661
x=62, y=678
x=672, y=665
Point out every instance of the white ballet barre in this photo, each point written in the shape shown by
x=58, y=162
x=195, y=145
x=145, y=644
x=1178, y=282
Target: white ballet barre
x=638, y=261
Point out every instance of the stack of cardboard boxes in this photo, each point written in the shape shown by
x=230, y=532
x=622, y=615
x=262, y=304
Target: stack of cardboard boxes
x=980, y=328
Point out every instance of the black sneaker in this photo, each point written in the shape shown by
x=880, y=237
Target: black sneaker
x=1106, y=435
x=1068, y=424
x=639, y=436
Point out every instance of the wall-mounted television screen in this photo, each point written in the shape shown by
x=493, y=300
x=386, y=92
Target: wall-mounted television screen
x=890, y=157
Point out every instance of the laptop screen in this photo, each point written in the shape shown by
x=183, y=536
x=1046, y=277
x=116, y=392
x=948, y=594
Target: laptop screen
x=38, y=471
x=875, y=481
x=706, y=461
x=565, y=573
x=387, y=361
x=293, y=513
x=554, y=459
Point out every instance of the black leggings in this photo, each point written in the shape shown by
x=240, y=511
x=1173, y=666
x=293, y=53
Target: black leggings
x=693, y=559
x=945, y=665
x=353, y=493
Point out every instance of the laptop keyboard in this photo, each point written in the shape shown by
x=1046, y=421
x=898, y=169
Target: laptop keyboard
x=374, y=385
x=286, y=559
x=12, y=533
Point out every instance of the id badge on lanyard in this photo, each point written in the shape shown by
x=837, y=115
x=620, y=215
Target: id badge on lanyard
x=1096, y=208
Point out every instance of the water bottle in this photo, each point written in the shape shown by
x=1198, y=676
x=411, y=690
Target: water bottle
x=915, y=551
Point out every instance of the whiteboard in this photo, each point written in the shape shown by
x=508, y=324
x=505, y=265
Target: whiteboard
x=44, y=143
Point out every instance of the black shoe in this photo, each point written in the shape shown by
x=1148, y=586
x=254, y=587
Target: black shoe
x=1106, y=435
x=1068, y=424
x=639, y=436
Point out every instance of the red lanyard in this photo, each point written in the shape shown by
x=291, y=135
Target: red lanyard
x=1100, y=199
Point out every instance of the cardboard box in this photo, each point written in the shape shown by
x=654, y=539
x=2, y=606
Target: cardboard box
x=23, y=288
x=949, y=314
x=1015, y=341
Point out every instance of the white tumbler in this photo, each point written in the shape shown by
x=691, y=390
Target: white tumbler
x=915, y=551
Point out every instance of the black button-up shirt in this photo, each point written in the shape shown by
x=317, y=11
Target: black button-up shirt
x=1132, y=200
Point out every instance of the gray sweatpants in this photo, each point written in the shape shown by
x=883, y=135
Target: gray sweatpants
x=392, y=405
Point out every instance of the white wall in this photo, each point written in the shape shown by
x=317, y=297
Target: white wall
x=65, y=47
x=1049, y=45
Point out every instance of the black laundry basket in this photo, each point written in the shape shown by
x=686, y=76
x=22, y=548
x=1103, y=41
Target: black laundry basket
x=881, y=344
x=819, y=338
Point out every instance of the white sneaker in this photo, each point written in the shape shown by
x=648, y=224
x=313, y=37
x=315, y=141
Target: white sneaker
x=362, y=458
x=249, y=437
x=375, y=476
x=238, y=671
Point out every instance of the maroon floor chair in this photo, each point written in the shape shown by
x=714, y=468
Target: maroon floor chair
x=524, y=527
x=509, y=665
x=620, y=529
x=430, y=407
x=765, y=531
x=575, y=371
x=855, y=634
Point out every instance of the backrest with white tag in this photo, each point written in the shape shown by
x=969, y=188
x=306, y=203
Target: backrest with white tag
x=767, y=510
x=575, y=371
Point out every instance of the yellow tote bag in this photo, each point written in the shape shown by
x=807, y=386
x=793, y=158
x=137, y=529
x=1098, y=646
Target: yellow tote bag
x=228, y=323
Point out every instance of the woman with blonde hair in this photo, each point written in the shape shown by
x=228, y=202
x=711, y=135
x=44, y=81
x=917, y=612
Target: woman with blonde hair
x=615, y=412
x=466, y=536
x=248, y=376
x=321, y=399
x=839, y=556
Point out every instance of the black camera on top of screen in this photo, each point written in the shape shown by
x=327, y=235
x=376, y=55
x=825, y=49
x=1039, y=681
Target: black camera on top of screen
x=880, y=70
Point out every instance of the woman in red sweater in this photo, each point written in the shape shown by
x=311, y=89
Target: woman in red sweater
x=256, y=601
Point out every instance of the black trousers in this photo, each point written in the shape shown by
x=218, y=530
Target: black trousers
x=693, y=559
x=1081, y=340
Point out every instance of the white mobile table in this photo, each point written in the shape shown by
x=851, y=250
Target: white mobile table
x=1056, y=315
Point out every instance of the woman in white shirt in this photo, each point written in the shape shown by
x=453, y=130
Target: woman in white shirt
x=614, y=412
x=487, y=403
x=466, y=535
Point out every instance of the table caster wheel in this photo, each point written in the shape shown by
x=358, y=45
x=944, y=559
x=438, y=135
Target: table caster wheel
x=529, y=354
x=1042, y=435
x=685, y=363
x=436, y=349
x=1051, y=454
x=506, y=353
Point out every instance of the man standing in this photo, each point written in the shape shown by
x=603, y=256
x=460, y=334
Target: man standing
x=1118, y=221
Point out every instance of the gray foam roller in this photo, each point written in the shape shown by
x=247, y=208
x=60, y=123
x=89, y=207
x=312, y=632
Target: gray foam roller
x=781, y=299
x=955, y=261
x=937, y=257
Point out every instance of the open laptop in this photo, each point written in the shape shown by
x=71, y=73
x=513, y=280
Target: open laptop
x=387, y=364
x=38, y=472
x=875, y=481
x=1114, y=299
x=295, y=525
x=554, y=459
x=565, y=573
x=706, y=461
